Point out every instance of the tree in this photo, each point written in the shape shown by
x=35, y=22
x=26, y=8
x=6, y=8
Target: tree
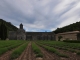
x=60, y=37
x=3, y=31
x=68, y=28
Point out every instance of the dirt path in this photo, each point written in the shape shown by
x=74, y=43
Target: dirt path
x=27, y=54
x=48, y=56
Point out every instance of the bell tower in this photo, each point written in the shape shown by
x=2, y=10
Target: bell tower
x=21, y=26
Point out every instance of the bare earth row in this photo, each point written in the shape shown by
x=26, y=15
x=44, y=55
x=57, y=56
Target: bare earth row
x=28, y=54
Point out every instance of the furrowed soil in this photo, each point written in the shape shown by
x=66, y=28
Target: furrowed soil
x=52, y=56
x=27, y=54
x=72, y=56
x=48, y=56
x=6, y=56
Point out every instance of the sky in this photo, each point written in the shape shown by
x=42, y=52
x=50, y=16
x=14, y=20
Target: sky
x=40, y=15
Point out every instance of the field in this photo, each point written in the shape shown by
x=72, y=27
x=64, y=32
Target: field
x=39, y=50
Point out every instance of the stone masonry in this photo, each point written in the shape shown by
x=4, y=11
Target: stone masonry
x=74, y=35
x=20, y=34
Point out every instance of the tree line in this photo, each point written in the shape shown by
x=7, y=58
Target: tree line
x=68, y=28
x=5, y=27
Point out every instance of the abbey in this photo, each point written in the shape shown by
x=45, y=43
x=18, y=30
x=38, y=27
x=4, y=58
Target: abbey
x=21, y=34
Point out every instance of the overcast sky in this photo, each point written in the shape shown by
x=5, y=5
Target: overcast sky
x=40, y=15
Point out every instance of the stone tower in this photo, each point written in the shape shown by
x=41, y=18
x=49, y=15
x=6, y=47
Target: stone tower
x=21, y=26
x=21, y=34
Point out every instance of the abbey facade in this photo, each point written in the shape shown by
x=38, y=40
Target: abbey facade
x=21, y=34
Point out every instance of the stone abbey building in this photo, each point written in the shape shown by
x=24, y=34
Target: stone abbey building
x=21, y=34
x=74, y=35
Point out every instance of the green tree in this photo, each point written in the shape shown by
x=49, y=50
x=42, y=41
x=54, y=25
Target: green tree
x=3, y=31
x=68, y=28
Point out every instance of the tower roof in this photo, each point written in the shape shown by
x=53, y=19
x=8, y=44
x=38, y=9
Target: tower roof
x=21, y=24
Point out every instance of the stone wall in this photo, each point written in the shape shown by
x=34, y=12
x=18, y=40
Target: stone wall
x=40, y=36
x=17, y=35
x=12, y=35
x=68, y=35
x=20, y=34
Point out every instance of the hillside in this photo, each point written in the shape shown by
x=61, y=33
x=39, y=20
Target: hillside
x=9, y=26
x=68, y=28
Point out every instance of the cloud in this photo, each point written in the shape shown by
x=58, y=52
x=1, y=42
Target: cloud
x=40, y=15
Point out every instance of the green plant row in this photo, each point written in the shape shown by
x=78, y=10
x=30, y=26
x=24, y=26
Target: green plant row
x=53, y=50
x=5, y=49
x=36, y=50
x=64, y=47
x=17, y=52
x=61, y=44
x=8, y=43
x=72, y=41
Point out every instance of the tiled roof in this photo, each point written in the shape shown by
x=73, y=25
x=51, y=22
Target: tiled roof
x=69, y=32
